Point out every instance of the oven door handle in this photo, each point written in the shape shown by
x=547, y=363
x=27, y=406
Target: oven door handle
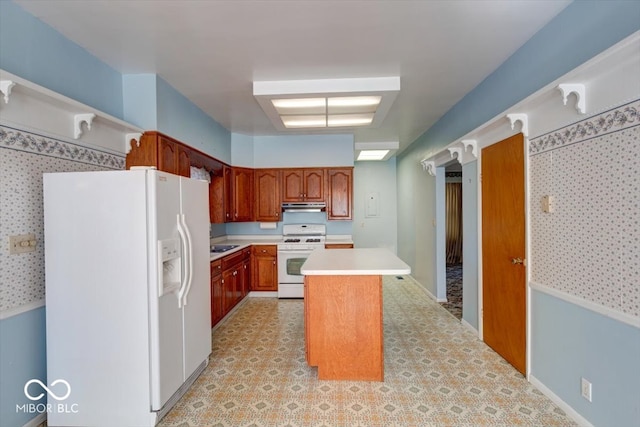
x=295, y=251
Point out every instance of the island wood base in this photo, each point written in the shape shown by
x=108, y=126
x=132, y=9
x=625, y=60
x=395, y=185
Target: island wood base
x=343, y=326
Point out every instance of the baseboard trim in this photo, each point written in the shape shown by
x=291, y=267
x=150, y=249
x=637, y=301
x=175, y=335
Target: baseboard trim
x=470, y=327
x=36, y=421
x=559, y=402
x=263, y=294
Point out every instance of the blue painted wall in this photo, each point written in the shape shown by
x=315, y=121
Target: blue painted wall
x=35, y=51
x=569, y=342
x=140, y=99
x=303, y=150
x=470, y=243
x=22, y=358
x=183, y=120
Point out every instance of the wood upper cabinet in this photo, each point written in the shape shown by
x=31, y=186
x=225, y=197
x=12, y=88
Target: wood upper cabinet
x=340, y=194
x=242, y=194
x=169, y=155
x=265, y=268
x=267, y=195
x=166, y=154
x=173, y=157
x=303, y=185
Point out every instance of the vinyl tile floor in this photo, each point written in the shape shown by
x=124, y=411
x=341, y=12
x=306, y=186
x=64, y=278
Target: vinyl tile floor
x=437, y=373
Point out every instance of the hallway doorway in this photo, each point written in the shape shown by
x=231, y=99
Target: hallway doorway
x=453, y=239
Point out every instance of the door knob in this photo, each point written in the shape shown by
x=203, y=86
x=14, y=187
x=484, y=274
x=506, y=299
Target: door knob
x=515, y=261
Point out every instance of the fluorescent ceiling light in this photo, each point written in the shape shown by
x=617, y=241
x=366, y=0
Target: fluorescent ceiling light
x=382, y=150
x=304, y=121
x=354, y=101
x=372, y=154
x=349, y=120
x=295, y=104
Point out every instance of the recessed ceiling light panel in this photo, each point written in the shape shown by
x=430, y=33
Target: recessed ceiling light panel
x=343, y=102
x=372, y=154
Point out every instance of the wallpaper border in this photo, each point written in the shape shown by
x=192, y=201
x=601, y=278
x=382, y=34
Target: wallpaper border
x=618, y=118
x=20, y=140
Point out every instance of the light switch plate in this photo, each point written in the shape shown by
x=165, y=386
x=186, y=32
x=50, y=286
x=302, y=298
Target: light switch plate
x=22, y=243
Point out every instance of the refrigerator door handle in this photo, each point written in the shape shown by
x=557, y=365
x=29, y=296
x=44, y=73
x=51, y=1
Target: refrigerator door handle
x=189, y=260
x=184, y=239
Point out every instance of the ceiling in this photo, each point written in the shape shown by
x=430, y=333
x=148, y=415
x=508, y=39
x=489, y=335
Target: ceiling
x=213, y=51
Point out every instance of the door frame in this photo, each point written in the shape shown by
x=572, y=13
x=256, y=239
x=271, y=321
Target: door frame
x=494, y=139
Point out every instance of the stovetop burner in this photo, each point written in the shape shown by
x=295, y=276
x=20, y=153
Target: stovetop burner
x=316, y=240
x=292, y=240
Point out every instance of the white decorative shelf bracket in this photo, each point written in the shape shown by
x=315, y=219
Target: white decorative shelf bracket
x=471, y=143
x=577, y=88
x=458, y=153
x=523, y=119
x=78, y=119
x=429, y=166
x=131, y=137
x=5, y=88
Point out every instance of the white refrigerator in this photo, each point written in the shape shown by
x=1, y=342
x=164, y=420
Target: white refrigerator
x=127, y=294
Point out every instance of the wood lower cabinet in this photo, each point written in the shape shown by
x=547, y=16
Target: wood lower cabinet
x=267, y=205
x=340, y=194
x=265, y=268
x=217, y=293
x=230, y=283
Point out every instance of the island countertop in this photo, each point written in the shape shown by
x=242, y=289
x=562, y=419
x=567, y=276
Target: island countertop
x=354, y=262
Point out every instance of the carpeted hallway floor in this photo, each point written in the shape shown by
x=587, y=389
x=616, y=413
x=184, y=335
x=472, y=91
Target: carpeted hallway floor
x=437, y=373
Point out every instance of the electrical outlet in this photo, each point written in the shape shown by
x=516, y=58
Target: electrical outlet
x=585, y=386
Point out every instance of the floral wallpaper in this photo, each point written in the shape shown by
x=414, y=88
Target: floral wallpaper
x=24, y=157
x=589, y=245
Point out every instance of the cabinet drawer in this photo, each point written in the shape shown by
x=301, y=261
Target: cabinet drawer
x=233, y=259
x=216, y=268
x=265, y=250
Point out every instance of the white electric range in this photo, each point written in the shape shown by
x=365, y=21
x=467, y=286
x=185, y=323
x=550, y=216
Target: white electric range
x=298, y=241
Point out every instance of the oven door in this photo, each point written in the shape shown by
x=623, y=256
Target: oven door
x=289, y=264
x=290, y=280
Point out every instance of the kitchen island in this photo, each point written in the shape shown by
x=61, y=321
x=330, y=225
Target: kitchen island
x=343, y=311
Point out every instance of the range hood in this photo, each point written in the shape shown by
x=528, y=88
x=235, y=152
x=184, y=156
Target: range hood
x=304, y=207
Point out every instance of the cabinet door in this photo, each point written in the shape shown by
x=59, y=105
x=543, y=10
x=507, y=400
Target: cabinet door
x=242, y=194
x=267, y=191
x=313, y=185
x=217, y=296
x=265, y=268
x=339, y=194
x=183, y=161
x=292, y=185
x=229, y=289
x=227, y=194
x=167, y=156
x=245, y=278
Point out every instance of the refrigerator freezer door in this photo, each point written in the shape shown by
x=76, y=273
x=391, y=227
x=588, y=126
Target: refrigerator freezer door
x=97, y=299
x=166, y=335
x=197, y=299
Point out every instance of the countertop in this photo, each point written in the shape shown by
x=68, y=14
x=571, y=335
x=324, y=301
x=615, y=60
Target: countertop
x=248, y=240
x=353, y=262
